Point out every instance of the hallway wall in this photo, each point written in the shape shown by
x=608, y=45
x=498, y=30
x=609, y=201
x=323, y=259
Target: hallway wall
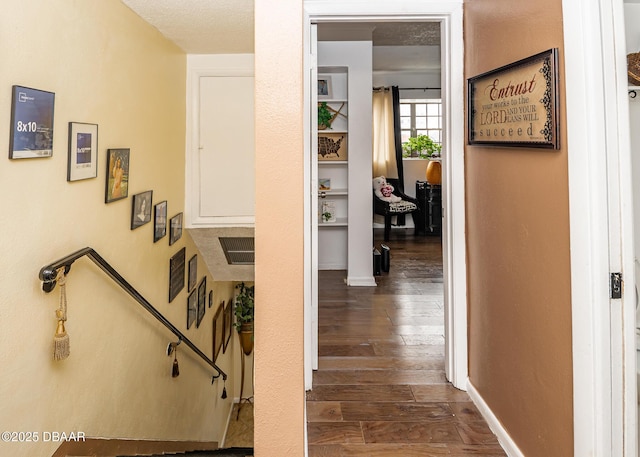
x=106, y=66
x=518, y=247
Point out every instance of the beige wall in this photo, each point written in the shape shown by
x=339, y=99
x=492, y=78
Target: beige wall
x=518, y=248
x=279, y=418
x=106, y=66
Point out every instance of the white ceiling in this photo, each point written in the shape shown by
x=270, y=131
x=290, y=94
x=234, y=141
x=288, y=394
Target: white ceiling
x=226, y=27
x=201, y=26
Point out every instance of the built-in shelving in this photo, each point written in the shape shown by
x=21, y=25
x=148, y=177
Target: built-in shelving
x=333, y=166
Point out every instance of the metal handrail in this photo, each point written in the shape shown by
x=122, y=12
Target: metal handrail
x=49, y=273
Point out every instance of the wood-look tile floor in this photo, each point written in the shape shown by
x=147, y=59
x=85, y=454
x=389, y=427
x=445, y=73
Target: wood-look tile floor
x=380, y=388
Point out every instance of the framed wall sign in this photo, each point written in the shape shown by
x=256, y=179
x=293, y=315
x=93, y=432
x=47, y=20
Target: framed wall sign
x=83, y=151
x=517, y=104
x=31, y=133
x=176, y=273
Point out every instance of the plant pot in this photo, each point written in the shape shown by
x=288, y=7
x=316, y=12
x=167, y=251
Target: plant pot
x=246, y=337
x=434, y=172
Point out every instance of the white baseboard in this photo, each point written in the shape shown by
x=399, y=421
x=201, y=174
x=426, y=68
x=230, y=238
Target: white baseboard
x=362, y=281
x=226, y=427
x=495, y=425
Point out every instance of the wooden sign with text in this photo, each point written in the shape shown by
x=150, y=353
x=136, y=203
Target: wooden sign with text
x=516, y=105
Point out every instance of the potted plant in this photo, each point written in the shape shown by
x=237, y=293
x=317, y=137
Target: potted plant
x=244, y=312
x=325, y=117
x=421, y=146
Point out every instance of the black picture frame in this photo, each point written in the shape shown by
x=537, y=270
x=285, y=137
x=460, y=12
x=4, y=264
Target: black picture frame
x=31, y=131
x=117, y=179
x=175, y=228
x=228, y=325
x=210, y=298
x=192, y=308
x=193, y=272
x=217, y=331
x=176, y=273
x=82, y=156
x=202, y=297
x=141, y=205
x=159, y=221
x=516, y=105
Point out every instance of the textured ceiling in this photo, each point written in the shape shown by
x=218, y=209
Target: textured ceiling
x=226, y=27
x=201, y=26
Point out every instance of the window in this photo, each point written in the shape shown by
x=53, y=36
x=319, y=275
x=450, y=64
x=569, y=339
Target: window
x=421, y=117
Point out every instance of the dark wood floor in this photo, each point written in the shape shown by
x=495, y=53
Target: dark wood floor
x=380, y=389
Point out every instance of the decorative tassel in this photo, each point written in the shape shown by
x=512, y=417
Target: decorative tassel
x=175, y=372
x=224, y=388
x=61, y=347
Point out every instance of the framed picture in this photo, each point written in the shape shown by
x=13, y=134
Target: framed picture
x=210, y=298
x=117, y=182
x=83, y=151
x=141, y=209
x=176, y=228
x=192, y=304
x=31, y=133
x=228, y=324
x=328, y=211
x=324, y=184
x=324, y=87
x=218, y=331
x=193, y=273
x=516, y=105
x=176, y=273
x=202, y=297
x=332, y=146
x=159, y=221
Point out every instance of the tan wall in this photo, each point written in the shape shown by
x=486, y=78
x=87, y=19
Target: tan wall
x=518, y=248
x=279, y=407
x=106, y=66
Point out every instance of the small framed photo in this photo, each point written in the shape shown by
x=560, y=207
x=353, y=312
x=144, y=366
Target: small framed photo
x=324, y=87
x=83, y=151
x=192, y=306
x=176, y=228
x=202, y=297
x=31, y=133
x=159, y=221
x=193, y=273
x=141, y=209
x=324, y=184
x=117, y=182
x=210, y=298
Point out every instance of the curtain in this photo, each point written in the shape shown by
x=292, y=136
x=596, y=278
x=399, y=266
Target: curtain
x=384, y=153
x=397, y=137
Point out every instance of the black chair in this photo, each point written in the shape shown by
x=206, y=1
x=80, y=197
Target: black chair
x=408, y=205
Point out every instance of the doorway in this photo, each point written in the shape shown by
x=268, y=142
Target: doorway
x=453, y=242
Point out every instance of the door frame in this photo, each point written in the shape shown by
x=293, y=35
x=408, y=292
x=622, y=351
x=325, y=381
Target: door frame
x=449, y=14
x=601, y=224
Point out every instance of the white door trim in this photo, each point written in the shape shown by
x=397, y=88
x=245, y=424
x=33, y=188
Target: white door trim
x=600, y=228
x=454, y=250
